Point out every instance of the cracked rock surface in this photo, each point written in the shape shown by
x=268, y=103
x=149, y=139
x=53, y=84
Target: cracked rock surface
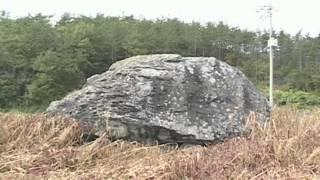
x=166, y=98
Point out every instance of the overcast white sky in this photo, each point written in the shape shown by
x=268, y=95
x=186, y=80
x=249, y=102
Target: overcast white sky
x=290, y=15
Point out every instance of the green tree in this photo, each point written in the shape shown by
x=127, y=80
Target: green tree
x=56, y=75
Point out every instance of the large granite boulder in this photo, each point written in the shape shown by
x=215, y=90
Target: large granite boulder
x=167, y=98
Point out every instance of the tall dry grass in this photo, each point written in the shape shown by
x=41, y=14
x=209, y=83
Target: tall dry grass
x=37, y=147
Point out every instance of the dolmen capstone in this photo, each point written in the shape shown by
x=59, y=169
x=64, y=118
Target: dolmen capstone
x=166, y=98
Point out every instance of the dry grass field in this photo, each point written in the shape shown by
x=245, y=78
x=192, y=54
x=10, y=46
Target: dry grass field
x=33, y=146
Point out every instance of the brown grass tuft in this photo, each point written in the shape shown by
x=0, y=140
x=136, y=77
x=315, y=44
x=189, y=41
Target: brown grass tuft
x=38, y=147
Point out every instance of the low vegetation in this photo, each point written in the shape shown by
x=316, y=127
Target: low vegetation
x=300, y=99
x=33, y=146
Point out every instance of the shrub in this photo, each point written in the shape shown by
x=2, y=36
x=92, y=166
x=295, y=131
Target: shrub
x=297, y=98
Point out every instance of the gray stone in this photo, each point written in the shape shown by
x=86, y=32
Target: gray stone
x=166, y=98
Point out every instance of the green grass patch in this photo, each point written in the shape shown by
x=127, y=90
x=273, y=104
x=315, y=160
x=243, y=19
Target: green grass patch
x=300, y=99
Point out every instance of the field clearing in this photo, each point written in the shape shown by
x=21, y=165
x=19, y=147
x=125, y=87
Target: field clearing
x=33, y=146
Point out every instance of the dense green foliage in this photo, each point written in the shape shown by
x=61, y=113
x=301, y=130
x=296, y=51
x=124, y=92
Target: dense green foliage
x=299, y=99
x=41, y=62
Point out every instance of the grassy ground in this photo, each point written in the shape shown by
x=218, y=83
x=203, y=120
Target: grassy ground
x=36, y=147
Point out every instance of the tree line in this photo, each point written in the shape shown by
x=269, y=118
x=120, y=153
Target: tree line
x=41, y=62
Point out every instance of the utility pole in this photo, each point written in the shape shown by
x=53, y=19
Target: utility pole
x=271, y=43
